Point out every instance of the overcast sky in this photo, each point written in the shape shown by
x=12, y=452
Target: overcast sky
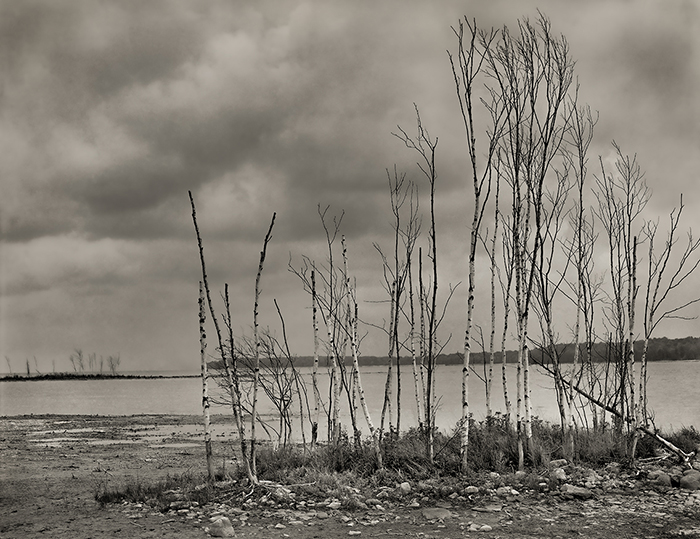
x=111, y=111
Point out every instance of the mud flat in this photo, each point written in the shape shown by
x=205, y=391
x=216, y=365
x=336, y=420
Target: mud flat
x=52, y=466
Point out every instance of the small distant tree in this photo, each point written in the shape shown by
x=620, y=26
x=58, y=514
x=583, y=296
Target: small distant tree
x=78, y=360
x=113, y=363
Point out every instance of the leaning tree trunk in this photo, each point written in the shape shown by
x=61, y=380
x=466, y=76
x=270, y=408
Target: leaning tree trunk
x=354, y=346
x=256, y=341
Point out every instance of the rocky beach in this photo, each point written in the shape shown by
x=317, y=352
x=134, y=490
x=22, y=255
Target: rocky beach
x=54, y=466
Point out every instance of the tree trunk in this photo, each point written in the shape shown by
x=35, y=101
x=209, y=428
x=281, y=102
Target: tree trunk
x=205, y=385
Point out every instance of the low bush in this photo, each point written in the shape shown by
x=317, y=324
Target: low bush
x=158, y=494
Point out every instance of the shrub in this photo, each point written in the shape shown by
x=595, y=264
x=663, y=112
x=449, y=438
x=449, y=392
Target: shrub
x=158, y=494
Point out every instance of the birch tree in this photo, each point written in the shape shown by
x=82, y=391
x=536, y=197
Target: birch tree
x=533, y=72
x=622, y=196
x=466, y=68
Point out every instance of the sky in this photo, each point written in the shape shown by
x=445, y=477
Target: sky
x=110, y=112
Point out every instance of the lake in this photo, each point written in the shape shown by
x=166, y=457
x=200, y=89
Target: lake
x=672, y=392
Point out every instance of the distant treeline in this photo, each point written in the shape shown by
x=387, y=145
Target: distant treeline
x=84, y=376
x=661, y=349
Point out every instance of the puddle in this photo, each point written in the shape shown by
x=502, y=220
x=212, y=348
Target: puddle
x=66, y=431
x=113, y=442
x=180, y=445
x=56, y=442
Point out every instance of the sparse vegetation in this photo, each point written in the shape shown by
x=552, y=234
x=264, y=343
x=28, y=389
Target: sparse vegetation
x=338, y=470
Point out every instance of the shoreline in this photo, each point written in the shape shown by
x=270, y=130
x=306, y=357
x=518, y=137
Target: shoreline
x=89, y=376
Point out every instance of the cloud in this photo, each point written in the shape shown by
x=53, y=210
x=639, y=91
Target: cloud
x=111, y=112
x=67, y=261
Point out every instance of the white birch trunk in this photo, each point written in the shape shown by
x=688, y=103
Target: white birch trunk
x=314, y=372
x=205, y=385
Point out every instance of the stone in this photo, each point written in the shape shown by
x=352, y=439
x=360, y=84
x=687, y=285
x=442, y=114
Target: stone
x=559, y=463
x=471, y=490
x=485, y=528
x=372, y=501
x=660, y=478
x=322, y=515
x=576, y=492
x=436, y=513
x=503, y=491
x=334, y=505
x=405, y=487
x=221, y=527
x=558, y=474
x=691, y=480
x=490, y=508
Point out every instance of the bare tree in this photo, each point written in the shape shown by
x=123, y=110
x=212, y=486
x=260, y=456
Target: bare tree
x=354, y=344
x=622, y=197
x=659, y=287
x=231, y=380
x=205, y=383
x=425, y=147
x=395, y=272
x=113, y=363
x=471, y=57
x=256, y=340
x=532, y=72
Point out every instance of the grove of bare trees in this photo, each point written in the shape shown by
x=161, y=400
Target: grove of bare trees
x=543, y=213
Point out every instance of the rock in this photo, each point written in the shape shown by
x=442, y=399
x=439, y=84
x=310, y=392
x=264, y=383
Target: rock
x=504, y=491
x=436, y=513
x=471, y=490
x=414, y=505
x=372, y=501
x=559, y=463
x=690, y=480
x=558, y=475
x=485, y=528
x=282, y=494
x=221, y=527
x=334, y=505
x=576, y=492
x=354, y=532
x=322, y=515
x=280, y=526
x=490, y=508
x=405, y=487
x=659, y=477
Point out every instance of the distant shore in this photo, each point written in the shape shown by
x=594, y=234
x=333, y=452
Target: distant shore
x=86, y=376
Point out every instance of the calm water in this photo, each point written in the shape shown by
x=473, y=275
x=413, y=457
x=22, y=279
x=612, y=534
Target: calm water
x=672, y=388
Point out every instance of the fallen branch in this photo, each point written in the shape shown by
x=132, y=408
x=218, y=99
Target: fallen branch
x=686, y=457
